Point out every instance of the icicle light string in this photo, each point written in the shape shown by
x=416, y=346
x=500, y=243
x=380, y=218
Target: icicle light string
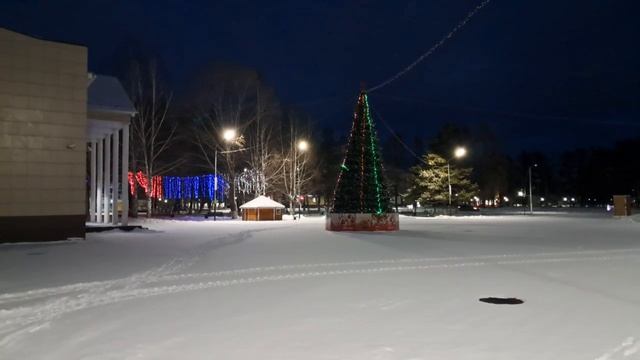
x=451, y=33
x=180, y=187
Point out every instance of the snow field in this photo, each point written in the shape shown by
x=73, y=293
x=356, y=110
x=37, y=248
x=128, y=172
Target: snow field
x=290, y=290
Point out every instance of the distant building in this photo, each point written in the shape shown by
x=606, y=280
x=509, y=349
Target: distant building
x=52, y=116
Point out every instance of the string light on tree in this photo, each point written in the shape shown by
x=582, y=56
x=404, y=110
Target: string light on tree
x=361, y=200
x=250, y=181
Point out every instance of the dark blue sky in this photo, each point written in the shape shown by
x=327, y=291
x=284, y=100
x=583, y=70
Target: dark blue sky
x=547, y=75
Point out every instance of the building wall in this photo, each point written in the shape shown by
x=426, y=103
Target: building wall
x=43, y=112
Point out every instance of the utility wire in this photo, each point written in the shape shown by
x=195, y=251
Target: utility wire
x=411, y=66
x=451, y=33
x=398, y=139
x=506, y=114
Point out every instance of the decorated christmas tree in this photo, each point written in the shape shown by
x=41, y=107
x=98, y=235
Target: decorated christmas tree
x=361, y=188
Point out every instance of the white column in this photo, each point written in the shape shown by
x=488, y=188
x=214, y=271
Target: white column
x=114, y=172
x=92, y=183
x=125, y=175
x=99, y=181
x=107, y=179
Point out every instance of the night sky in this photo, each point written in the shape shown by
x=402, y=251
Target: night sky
x=545, y=75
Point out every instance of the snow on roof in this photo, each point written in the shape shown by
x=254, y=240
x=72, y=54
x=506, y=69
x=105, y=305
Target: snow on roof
x=105, y=93
x=262, y=202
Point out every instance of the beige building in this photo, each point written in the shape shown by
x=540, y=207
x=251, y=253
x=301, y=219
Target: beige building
x=44, y=133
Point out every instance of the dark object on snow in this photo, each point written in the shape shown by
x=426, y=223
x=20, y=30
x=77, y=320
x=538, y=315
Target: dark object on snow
x=467, y=207
x=502, y=301
x=93, y=229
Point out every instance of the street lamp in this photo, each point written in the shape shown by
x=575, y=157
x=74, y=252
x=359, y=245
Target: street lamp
x=301, y=146
x=458, y=153
x=229, y=135
x=523, y=194
x=531, y=189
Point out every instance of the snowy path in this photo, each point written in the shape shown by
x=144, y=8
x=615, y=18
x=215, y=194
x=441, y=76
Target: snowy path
x=563, y=280
x=628, y=349
x=76, y=297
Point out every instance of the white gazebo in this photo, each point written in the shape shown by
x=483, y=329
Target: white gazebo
x=261, y=208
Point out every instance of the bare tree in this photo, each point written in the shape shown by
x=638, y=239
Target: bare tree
x=151, y=132
x=223, y=97
x=262, y=137
x=296, y=161
x=268, y=160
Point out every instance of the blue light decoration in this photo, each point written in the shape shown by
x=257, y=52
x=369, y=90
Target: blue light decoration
x=193, y=187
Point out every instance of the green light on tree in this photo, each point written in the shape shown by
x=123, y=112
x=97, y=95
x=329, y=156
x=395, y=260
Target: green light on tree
x=361, y=187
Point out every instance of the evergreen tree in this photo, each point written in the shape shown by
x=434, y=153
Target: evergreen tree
x=361, y=187
x=430, y=182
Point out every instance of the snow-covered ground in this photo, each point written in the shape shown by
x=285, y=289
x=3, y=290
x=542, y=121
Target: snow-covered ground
x=290, y=290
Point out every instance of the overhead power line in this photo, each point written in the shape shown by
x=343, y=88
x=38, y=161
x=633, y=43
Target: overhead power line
x=451, y=33
x=506, y=114
x=398, y=138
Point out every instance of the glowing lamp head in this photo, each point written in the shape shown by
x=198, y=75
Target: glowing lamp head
x=229, y=135
x=460, y=152
x=303, y=145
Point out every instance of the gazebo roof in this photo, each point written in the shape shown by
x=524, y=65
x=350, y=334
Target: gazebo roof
x=262, y=202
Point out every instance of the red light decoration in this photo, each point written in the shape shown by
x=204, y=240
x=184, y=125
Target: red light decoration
x=141, y=179
x=132, y=183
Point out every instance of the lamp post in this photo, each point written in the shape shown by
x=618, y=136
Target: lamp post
x=531, y=189
x=229, y=136
x=458, y=153
x=301, y=146
x=523, y=194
